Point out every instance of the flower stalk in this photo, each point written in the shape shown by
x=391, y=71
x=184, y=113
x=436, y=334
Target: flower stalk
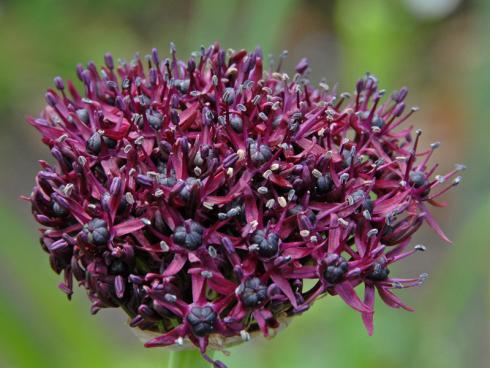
x=190, y=358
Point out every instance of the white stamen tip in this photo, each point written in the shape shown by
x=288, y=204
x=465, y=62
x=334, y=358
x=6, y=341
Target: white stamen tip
x=208, y=205
x=82, y=160
x=212, y=252
x=244, y=335
x=241, y=153
x=457, y=180
x=262, y=190
x=343, y=222
x=316, y=173
x=282, y=201
x=304, y=233
x=270, y=203
x=68, y=189
x=164, y=246
x=207, y=274
x=129, y=198
x=267, y=173
x=460, y=167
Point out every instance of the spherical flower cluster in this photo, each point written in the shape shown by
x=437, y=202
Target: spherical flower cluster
x=199, y=196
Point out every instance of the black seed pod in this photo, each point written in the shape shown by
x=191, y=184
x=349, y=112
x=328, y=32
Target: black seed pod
x=94, y=144
x=324, y=184
x=189, y=235
x=377, y=121
x=58, y=209
x=118, y=267
x=189, y=184
x=252, y=292
x=417, y=179
x=182, y=85
x=236, y=123
x=379, y=273
x=83, y=115
x=155, y=119
x=109, y=142
x=260, y=154
x=336, y=272
x=95, y=232
x=268, y=244
x=202, y=320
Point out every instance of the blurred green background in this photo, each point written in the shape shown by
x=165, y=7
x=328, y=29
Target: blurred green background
x=439, y=48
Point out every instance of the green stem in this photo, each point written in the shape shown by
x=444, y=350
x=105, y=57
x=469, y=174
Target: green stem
x=188, y=359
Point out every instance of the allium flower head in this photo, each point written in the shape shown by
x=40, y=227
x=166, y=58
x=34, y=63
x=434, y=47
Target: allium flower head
x=200, y=195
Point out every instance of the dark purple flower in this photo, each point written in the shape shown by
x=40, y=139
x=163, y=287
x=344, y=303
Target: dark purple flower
x=199, y=195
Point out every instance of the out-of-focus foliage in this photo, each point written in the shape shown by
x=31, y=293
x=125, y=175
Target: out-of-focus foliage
x=446, y=63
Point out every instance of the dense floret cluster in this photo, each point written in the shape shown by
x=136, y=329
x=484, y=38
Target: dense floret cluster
x=200, y=196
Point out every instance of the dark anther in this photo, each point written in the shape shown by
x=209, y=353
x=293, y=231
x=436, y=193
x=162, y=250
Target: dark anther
x=202, y=320
x=268, y=243
x=96, y=232
x=324, y=184
x=189, y=235
x=94, y=144
x=335, y=272
x=252, y=292
x=379, y=272
x=260, y=154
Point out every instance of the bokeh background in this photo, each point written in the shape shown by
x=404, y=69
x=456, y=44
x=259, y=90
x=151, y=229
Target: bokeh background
x=439, y=48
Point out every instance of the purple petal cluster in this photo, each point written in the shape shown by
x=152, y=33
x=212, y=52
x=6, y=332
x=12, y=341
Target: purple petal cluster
x=200, y=196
